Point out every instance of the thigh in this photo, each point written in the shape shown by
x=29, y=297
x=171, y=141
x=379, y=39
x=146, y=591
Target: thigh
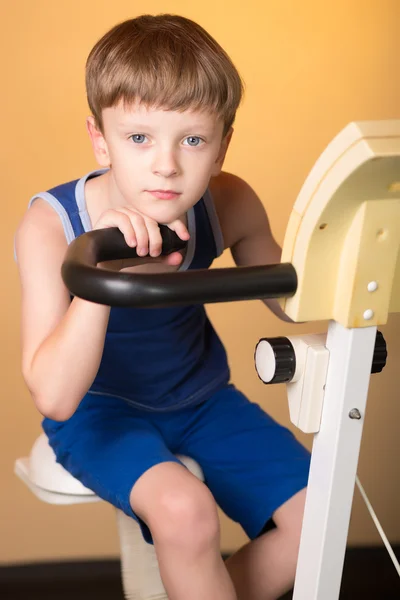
x=108, y=446
x=252, y=464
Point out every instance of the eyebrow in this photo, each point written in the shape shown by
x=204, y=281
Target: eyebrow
x=143, y=127
x=122, y=125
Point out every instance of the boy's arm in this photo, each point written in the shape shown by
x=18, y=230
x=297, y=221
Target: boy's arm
x=62, y=341
x=245, y=227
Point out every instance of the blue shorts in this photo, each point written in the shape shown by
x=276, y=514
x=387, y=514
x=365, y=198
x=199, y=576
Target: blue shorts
x=251, y=464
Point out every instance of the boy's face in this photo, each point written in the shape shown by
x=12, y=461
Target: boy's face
x=153, y=149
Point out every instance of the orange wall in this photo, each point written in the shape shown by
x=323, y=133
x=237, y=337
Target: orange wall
x=310, y=68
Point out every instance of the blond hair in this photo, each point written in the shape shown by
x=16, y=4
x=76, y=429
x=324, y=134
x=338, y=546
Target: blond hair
x=163, y=61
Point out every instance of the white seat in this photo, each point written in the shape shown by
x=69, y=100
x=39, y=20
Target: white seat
x=48, y=480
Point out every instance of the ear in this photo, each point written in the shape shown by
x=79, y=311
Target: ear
x=99, y=143
x=217, y=167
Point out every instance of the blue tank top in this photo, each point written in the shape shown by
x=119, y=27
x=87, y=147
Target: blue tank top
x=156, y=359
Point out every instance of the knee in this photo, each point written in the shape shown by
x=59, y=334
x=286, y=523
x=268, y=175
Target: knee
x=186, y=518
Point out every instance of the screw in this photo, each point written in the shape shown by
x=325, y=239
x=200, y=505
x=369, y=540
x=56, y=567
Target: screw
x=368, y=314
x=355, y=414
x=372, y=286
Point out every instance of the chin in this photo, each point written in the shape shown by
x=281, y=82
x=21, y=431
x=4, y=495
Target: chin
x=166, y=214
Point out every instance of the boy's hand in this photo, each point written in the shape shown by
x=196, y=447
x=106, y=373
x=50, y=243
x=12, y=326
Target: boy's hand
x=142, y=232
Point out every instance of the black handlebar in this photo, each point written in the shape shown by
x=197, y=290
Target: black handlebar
x=84, y=279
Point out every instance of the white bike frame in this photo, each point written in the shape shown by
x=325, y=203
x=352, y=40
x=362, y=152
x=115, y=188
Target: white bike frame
x=334, y=462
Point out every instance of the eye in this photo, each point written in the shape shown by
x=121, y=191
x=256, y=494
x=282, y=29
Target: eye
x=194, y=140
x=138, y=138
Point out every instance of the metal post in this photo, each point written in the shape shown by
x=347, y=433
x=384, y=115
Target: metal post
x=334, y=464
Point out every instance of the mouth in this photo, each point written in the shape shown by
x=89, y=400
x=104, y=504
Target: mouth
x=164, y=194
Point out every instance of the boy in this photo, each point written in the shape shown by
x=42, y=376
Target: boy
x=122, y=391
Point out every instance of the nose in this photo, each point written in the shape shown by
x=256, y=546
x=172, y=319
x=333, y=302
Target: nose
x=165, y=163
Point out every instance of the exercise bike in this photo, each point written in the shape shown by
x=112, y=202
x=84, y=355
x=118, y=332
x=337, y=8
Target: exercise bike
x=341, y=263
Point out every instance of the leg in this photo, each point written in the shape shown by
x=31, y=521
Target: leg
x=182, y=517
x=118, y=453
x=256, y=470
x=274, y=553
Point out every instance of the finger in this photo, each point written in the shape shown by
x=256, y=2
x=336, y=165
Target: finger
x=155, y=239
x=174, y=259
x=142, y=236
x=180, y=229
x=120, y=220
x=137, y=221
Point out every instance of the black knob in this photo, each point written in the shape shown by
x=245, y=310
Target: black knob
x=380, y=354
x=275, y=360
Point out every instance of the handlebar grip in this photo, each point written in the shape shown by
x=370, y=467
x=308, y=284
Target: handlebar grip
x=84, y=279
x=110, y=244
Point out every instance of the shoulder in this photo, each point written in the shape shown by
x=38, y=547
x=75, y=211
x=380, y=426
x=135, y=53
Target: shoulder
x=228, y=184
x=40, y=227
x=40, y=215
x=239, y=209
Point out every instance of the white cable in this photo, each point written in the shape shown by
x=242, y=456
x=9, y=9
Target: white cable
x=378, y=526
